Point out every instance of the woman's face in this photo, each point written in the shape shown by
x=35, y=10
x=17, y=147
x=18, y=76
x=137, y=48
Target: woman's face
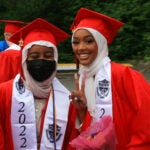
x=84, y=46
x=40, y=52
x=40, y=62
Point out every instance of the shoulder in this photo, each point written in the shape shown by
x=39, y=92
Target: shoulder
x=10, y=55
x=10, y=52
x=3, y=45
x=124, y=75
x=122, y=70
x=118, y=67
x=14, y=47
x=2, y=41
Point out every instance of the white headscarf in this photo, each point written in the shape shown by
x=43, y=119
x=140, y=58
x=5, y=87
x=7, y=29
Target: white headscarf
x=91, y=70
x=39, y=89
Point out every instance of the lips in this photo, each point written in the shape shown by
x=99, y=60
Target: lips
x=84, y=56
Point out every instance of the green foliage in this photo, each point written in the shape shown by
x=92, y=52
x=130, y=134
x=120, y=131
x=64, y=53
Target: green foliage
x=132, y=41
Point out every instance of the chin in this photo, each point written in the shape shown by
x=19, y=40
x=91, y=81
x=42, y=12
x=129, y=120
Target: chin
x=85, y=63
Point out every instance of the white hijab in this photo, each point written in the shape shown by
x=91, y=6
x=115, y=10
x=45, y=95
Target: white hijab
x=39, y=89
x=91, y=70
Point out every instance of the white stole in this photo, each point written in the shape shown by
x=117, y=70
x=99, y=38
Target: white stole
x=103, y=104
x=23, y=118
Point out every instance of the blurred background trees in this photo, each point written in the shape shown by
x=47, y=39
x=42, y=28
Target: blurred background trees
x=131, y=43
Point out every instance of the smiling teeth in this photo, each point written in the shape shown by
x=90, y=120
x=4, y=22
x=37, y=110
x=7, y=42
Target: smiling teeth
x=83, y=55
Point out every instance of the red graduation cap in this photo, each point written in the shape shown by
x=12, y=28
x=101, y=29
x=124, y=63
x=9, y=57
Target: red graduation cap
x=12, y=26
x=105, y=25
x=39, y=29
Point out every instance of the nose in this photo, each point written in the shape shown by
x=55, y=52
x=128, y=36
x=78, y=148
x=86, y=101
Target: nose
x=41, y=56
x=82, y=46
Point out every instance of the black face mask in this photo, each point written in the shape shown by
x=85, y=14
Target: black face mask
x=41, y=69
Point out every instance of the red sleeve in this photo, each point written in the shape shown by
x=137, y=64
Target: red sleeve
x=131, y=108
x=1, y=136
x=87, y=121
x=6, y=141
x=139, y=97
x=71, y=131
x=10, y=64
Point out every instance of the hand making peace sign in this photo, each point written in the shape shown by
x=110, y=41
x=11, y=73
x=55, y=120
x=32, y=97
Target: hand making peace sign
x=78, y=97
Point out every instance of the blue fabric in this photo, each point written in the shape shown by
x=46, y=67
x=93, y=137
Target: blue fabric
x=3, y=45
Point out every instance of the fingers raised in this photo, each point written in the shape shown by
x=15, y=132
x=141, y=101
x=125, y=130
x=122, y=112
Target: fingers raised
x=76, y=82
x=83, y=84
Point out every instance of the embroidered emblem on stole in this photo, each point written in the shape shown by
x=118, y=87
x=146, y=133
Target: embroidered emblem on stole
x=20, y=87
x=103, y=88
x=50, y=133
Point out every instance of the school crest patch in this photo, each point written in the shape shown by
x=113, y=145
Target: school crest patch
x=50, y=133
x=20, y=87
x=103, y=88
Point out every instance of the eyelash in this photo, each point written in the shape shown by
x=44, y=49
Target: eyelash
x=87, y=41
x=75, y=42
x=49, y=56
x=46, y=56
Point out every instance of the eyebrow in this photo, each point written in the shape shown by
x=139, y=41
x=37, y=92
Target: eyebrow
x=84, y=36
x=50, y=51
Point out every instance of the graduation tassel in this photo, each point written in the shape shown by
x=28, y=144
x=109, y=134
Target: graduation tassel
x=54, y=118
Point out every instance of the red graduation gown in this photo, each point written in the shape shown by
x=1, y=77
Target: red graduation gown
x=131, y=109
x=10, y=64
x=6, y=141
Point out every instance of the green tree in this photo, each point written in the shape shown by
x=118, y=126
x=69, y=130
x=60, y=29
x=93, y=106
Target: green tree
x=132, y=41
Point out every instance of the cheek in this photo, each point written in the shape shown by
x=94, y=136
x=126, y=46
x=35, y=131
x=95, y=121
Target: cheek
x=74, y=49
x=95, y=51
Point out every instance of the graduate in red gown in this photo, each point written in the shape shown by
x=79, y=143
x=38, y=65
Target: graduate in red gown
x=11, y=26
x=111, y=101
x=10, y=64
x=34, y=105
x=10, y=56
